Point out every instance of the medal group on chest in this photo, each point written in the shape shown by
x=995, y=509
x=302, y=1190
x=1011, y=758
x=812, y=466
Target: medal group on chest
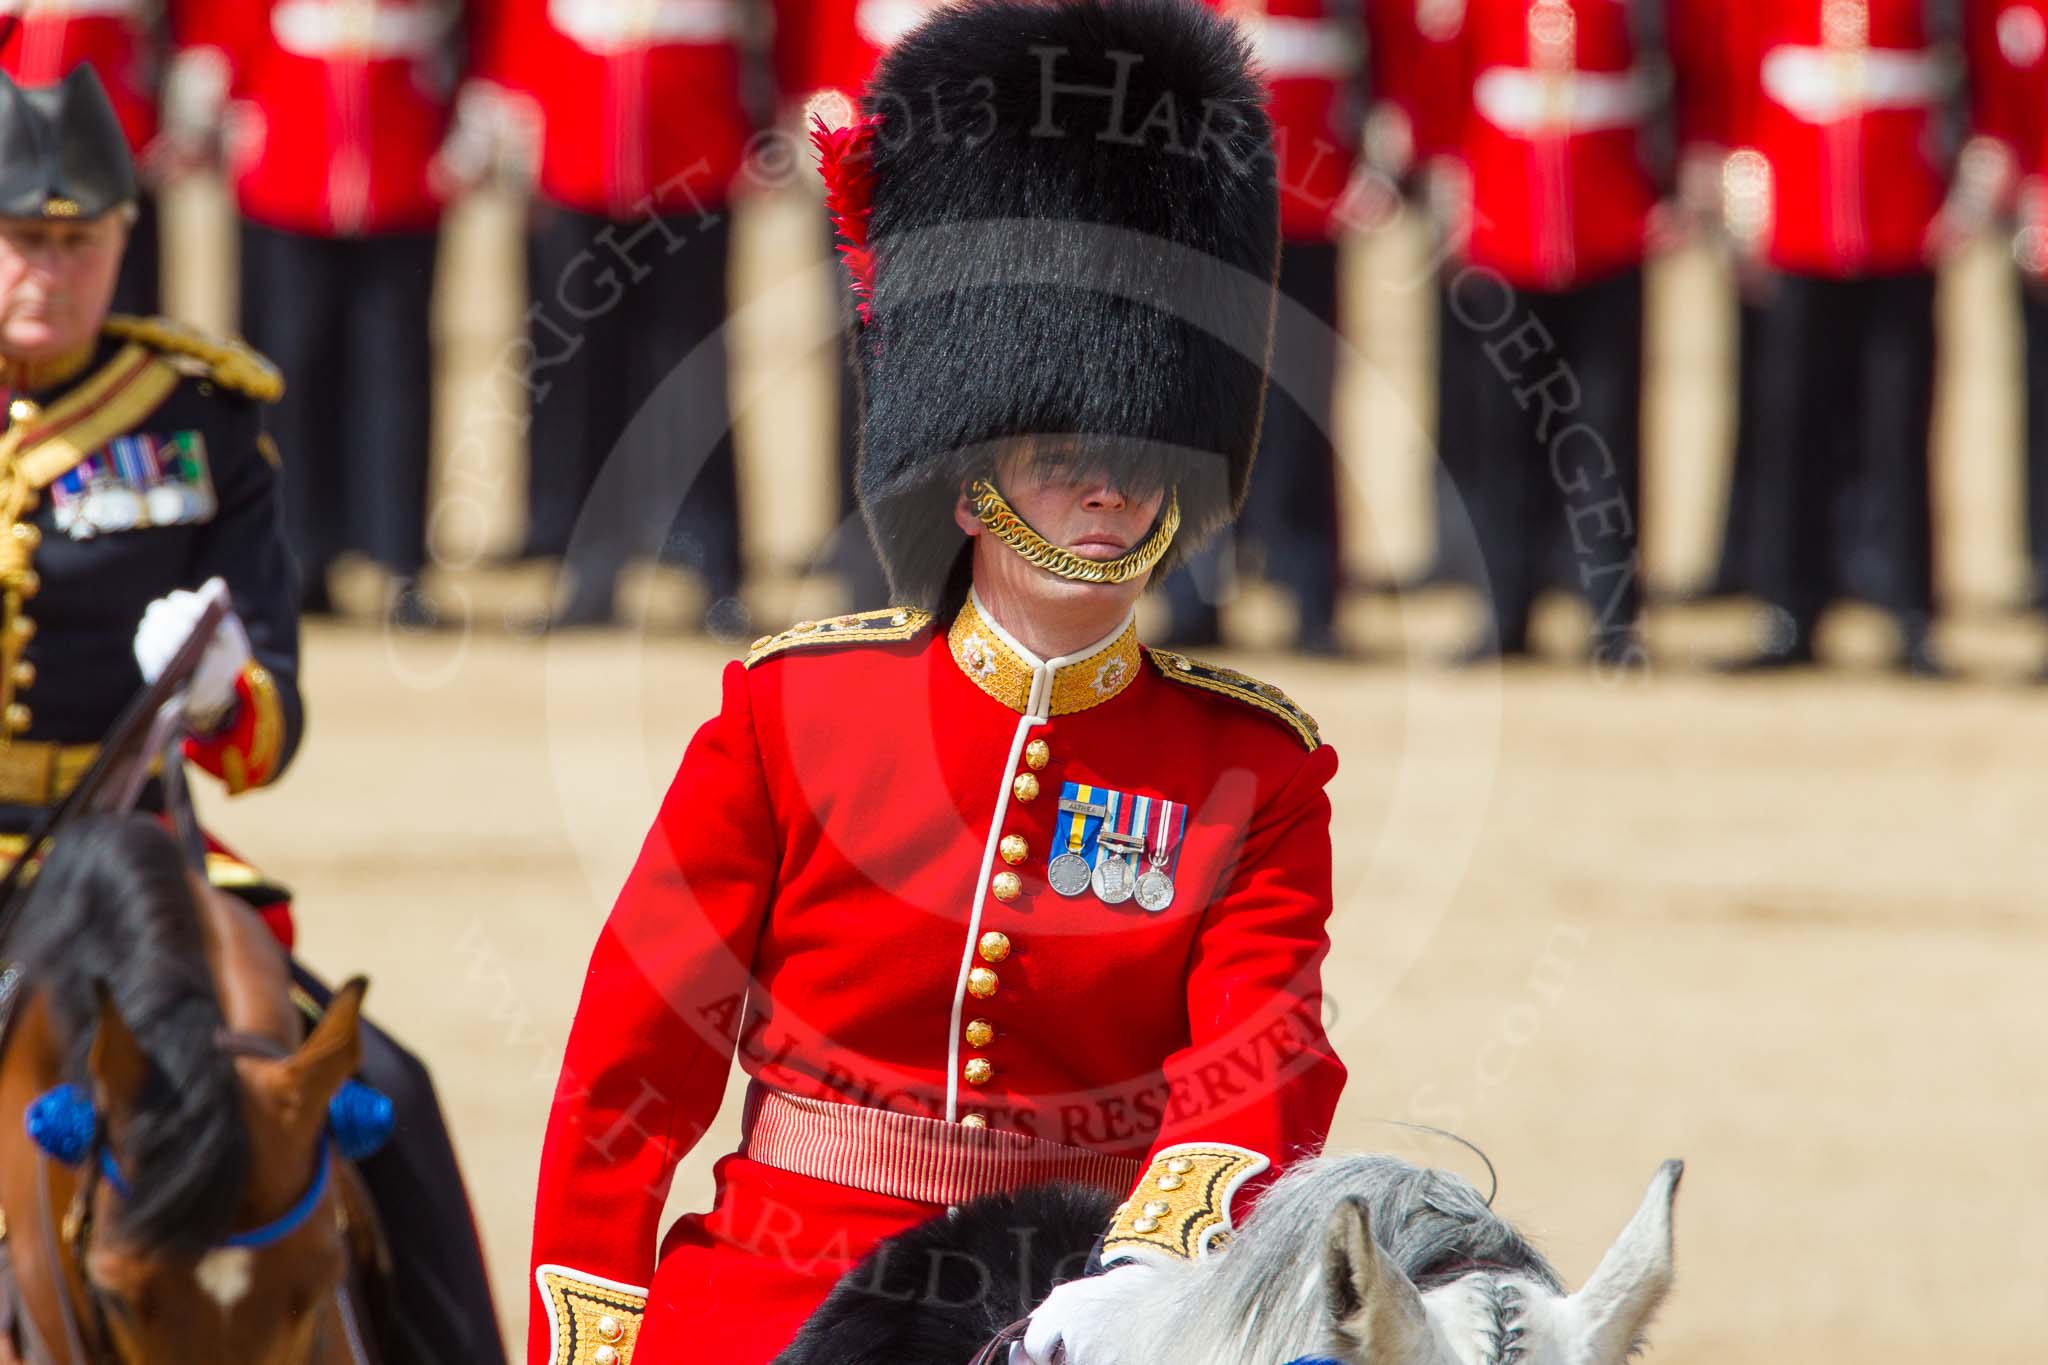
x=1120, y=846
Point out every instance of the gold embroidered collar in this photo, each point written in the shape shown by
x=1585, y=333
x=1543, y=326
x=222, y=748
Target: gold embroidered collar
x=1028, y=685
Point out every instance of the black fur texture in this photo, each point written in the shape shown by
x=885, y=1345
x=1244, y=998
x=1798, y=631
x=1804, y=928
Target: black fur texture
x=937, y=1294
x=111, y=904
x=1093, y=264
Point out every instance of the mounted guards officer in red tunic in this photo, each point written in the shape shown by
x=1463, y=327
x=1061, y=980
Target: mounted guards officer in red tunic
x=983, y=892
x=136, y=476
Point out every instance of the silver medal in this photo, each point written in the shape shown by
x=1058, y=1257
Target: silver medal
x=1116, y=869
x=1068, y=874
x=1155, y=890
x=1114, y=883
x=167, y=505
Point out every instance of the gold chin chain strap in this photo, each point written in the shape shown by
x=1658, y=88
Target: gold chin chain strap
x=1005, y=525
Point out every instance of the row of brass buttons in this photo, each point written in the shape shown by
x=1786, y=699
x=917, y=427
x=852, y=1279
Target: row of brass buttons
x=994, y=946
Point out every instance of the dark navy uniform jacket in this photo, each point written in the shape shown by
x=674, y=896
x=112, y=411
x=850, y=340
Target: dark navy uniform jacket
x=145, y=472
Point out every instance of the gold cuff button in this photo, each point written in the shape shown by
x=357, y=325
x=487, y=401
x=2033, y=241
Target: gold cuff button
x=1145, y=1225
x=994, y=946
x=610, y=1328
x=18, y=719
x=1007, y=886
x=1014, y=849
x=1157, y=1208
x=606, y=1355
x=1180, y=1165
x=24, y=675
x=974, y=1121
x=1026, y=787
x=1170, y=1182
x=980, y=1071
x=1037, y=754
x=981, y=983
x=980, y=1033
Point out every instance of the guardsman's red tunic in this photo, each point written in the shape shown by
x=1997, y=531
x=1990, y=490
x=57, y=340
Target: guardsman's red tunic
x=1836, y=107
x=336, y=111
x=1552, y=140
x=1412, y=58
x=851, y=882
x=1312, y=55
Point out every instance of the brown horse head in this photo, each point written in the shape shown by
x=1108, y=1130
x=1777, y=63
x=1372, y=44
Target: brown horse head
x=210, y=1221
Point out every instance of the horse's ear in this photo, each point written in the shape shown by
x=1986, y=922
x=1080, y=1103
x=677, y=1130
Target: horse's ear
x=333, y=1051
x=1635, y=1274
x=1373, y=1305
x=117, y=1064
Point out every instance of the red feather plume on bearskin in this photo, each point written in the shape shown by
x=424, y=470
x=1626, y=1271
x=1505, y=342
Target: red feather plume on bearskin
x=844, y=158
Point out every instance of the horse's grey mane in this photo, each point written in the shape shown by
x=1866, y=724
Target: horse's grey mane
x=1265, y=1299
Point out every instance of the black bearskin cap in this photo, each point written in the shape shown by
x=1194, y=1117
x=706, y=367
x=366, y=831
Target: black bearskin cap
x=62, y=151
x=1075, y=229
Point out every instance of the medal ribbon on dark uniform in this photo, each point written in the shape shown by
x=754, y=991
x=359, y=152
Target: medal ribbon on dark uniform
x=136, y=482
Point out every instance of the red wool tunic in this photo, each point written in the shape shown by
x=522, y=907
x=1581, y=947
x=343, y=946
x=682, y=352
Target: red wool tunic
x=1836, y=107
x=848, y=883
x=1550, y=131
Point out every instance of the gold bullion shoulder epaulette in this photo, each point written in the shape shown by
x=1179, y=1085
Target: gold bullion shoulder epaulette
x=1228, y=682
x=231, y=364
x=861, y=627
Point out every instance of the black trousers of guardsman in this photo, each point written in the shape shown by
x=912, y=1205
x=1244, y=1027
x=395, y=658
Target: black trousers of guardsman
x=1290, y=518
x=1553, y=413
x=1845, y=405
x=629, y=370
x=441, y=1295
x=346, y=320
x=2034, y=320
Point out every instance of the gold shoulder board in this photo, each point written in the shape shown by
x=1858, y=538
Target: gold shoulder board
x=1228, y=682
x=862, y=627
x=231, y=364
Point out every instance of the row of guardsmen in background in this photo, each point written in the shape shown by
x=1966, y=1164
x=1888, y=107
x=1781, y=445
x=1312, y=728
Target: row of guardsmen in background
x=1840, y=148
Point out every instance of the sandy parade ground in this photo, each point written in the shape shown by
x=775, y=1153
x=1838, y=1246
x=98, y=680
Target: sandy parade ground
x=1790, y=930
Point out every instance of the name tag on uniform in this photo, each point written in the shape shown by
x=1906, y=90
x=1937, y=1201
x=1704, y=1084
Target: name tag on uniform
x=1120, y=846
x=135, y=483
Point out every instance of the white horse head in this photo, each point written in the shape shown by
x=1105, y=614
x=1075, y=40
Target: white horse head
x=1444, y=1282
x=1489, y=1316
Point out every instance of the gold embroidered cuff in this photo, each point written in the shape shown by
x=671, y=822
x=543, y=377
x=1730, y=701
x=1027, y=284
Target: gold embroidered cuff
x=591, y=1320
x=1182, y=1206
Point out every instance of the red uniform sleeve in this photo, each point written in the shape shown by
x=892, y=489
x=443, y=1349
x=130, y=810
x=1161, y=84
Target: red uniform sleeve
x=653, y=1039
x=1702, y=77
x=1258, y=1083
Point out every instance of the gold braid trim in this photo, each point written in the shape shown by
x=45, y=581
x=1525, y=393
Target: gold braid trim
x=591, y=1321
x=1182, y=1206
x=1005, y=525
x=266, y=740
x=861, y=627
x=1228, y=682
x=231, y=364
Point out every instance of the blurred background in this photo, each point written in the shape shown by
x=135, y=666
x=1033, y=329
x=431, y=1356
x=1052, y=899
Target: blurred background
x=1689, y=791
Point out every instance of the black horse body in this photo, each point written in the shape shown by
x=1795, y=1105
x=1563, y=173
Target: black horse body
x=938, y=1293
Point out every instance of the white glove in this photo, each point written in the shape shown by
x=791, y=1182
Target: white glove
x=1076, y=1319
x=164, y=629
